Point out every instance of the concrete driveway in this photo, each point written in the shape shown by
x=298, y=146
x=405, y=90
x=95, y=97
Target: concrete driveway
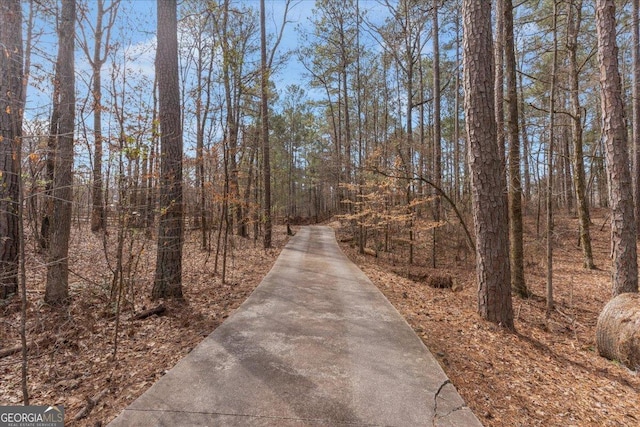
x=315, y=344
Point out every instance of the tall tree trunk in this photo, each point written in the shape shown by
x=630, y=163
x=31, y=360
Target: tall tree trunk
x=247, y=192
x=550, y=154
x=516, y=254
x=437, y=134
x=456, y=119
x=202, y=112
x=635, y=90
x=233, y=87
x=422, y=131
x=57, y=288
x=234, y=149
x=21, y=217
x=168, y=277
x=525, y=146
x=408, y=162
x=566, y=166
x=97, y=60
x=362, y=230
x=50, y=163
x=574, y=19
x=488, y=183
x=623, y=226
x=152, y=168
x=499, y=78
x=11, y=110
x=408, y=157
x=264, y=108
x=347, y=121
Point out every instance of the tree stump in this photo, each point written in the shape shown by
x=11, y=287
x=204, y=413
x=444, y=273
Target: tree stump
x=440, y=282
x=618, y=330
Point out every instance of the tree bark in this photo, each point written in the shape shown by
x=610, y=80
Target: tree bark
x=11, y=110
x=57, y=288
x=97, y=197
x=635, y=95
x=525, y=147
x=623, y=227
x=550, y=154
x=437, y=133
x=50, y=164
x=567, y=183
x=456, y=120
x=264, y=108
x=574, y=14
x=488, y=184
x=499, y=78
x=168, y=277
x=516, y=254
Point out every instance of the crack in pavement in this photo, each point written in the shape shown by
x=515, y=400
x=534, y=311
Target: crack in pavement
x=436, y=415
x=435, y=401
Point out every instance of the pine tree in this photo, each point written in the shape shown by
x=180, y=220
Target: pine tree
x=623, y=227
x=488, y=183
x=168, y=277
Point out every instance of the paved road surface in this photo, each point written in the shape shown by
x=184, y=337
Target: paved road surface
x=316, y=344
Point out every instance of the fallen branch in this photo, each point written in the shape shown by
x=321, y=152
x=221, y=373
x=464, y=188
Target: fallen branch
x=91, y=403
x=15, y=349
x=569, y=318
x=370, y=252
x=12, y=350
x=148, y=313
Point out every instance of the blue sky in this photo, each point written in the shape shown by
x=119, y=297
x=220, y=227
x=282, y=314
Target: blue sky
x=135, y=31
x=135, y=28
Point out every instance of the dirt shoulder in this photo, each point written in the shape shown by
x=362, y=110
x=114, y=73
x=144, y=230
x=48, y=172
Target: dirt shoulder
x=548, y=372
x=72, y=360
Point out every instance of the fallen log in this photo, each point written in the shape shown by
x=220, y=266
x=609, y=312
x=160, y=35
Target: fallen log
x=618, y=330
x=370, y=252
x=148, y=313
x=12, y=350
x=15, y=349
x=91, y=403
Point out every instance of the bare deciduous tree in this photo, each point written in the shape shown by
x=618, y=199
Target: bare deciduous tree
x=101, y=33
x=57, y=290
x=574, y=18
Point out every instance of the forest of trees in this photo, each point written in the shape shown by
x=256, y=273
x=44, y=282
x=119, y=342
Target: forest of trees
x=409, y=114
